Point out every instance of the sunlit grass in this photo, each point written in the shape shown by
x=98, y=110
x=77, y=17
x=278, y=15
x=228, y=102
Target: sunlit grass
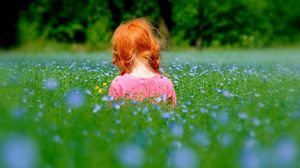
x=235, y=109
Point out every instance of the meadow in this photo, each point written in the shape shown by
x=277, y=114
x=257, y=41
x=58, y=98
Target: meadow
x=234, y=109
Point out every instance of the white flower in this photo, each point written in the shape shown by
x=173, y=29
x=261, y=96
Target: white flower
x=97, y=107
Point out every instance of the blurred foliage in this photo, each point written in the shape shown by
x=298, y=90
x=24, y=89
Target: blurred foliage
x=248, y=23
x=200, y=23
x=28, y=31
x=124, y=10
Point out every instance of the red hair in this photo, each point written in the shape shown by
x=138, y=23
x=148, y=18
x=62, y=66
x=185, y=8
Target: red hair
x=135, y=38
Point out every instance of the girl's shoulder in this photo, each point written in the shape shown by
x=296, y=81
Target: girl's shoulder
x=117, y=79
x=120, y=80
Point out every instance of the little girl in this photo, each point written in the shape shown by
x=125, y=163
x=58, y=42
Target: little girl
x=136, y=52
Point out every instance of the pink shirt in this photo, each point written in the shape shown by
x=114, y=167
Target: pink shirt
x=138, y=89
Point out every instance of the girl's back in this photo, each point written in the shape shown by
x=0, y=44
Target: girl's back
x=158, y=87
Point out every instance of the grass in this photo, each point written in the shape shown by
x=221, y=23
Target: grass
x=235, y=109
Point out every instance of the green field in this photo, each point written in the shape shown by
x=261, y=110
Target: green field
x=235, y=109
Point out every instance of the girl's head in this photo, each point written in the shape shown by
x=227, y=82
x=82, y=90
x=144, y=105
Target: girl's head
x=135, y=39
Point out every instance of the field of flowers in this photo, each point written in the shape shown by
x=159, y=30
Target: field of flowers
x=235, y=109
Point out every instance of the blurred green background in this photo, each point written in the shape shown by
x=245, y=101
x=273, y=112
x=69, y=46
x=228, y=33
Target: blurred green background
x=87, y=25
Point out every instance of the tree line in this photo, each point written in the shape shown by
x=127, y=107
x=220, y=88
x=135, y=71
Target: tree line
x=183, y=23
